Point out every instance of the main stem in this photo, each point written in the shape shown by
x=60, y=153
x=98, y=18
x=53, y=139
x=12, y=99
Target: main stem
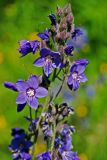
x=38, y=124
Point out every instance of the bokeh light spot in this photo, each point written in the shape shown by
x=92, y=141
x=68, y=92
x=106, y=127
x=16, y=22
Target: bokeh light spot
x=2, y=122
x=81, y=111
x=83, y=156
x=103, y=68
x=33, y=36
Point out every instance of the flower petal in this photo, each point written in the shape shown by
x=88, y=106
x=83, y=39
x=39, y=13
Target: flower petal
x=48, y=68
x=33, y=81
x=10, y=85
x=75, y=85
x=21, y=99
x=70, y=80
x=58, y=63
x=83, y=78
x=73, y=68
x=80, y=69
x=33, y=102
x=39, y=62
x=34, y=46
x=21, y=85
x=25, y=155
x=41, y=92
x=44, y=52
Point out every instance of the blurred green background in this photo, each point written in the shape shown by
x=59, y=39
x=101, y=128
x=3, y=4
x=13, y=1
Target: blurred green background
x=22, y=20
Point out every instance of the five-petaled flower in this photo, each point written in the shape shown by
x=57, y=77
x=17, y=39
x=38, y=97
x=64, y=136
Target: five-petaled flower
x=48, y=60
x=28, y=46
x=30, y=91
x=77, y=74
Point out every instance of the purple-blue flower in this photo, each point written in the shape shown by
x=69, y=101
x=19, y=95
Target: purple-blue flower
x=30, y=91
x=68, y=50
x=64, y=144
x=52, y=18
x=79, y=38
x=20, y=145
x=44, y=35
x=44, y=156
x=28, y=46
x=48, y=60
x=77, y=74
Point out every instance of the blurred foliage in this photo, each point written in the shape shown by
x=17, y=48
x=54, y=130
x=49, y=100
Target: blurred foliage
x=23, y=20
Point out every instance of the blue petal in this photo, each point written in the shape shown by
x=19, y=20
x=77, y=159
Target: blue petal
x=48, y=68
x=39, y=62
x=44, y=52
x=10, y=85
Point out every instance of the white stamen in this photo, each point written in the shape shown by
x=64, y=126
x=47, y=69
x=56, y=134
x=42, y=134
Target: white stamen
x=74, y=75
x=30, y=92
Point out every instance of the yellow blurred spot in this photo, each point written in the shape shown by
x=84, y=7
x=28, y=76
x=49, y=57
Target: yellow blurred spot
x=10, y=10
x=2, y=122
x=40, y=147
x=103, y=68
x=83, y=156
x=1, y=58
x=81, y=111
x=33, y=36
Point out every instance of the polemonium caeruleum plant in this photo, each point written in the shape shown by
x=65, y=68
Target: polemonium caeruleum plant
x=56, y=49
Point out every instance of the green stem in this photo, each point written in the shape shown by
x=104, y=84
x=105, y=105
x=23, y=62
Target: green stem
x=38, y=124
x=54, y=134
x=60, y=87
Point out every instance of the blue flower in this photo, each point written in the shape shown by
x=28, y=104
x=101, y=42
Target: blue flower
x=44, y=35
x=52, y=18
x=20, y=145
x=48, y=60
x=68, y=50
x=28, y=46
x=44, y=156
x=29, y=91
x=77, y=74
x=79, y=38
x=66, y=140
x=64, y=144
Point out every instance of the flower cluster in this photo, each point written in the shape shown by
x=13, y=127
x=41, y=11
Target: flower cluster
x=20, y=145
x=63, y=143
x=56, y=48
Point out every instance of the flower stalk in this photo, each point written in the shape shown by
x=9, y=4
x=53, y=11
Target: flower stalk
x=56, y=49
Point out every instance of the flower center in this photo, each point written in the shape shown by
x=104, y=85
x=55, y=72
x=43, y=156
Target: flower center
x=30, y=92
x=48, y=60
x=74, y=75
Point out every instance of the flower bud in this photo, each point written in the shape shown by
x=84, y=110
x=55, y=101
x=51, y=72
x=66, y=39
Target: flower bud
x=67, y=9
x=59, y=11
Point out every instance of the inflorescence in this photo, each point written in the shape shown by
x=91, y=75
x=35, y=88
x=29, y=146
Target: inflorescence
x=56, y=48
